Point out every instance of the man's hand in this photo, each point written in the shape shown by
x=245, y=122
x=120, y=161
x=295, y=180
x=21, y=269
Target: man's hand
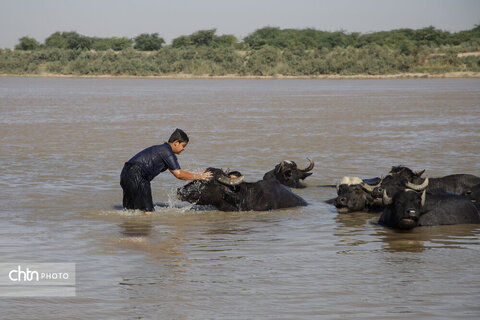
x=205, y=175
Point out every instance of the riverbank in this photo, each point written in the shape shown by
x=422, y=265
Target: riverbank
x=450, y=75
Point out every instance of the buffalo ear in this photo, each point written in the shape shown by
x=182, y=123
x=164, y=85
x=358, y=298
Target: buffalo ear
x=305, y=175
x=419, y=173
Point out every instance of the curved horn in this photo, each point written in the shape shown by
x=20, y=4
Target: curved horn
x=230, y=181
x=310, y=166
x=368, y=187
x=417, y=187
x=386, y=199
x=423, y=198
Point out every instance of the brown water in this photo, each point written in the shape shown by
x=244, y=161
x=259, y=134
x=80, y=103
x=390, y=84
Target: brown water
x=64, y=142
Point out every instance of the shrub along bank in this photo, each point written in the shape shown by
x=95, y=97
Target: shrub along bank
x=266, y=52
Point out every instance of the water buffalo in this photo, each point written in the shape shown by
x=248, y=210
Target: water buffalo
x=287, y=173
x=230, y=193
x=354, y=194
x=409, y=209
x=400, y=178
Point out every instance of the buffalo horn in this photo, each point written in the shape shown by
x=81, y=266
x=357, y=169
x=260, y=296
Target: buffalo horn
x=282, y=166
x=230, y=181
x=417, y=187
x=310, y=166
x=423, y=198
x=386, y=199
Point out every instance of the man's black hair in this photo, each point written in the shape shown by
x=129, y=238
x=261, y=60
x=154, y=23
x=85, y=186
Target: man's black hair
x=178, y=135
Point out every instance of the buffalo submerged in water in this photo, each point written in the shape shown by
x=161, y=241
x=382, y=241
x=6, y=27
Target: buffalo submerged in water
x=355, y=194
x=410, y=208
x=401, y=177
x=231, y=193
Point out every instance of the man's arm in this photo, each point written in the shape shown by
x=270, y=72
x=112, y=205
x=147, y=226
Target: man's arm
x=189, y=175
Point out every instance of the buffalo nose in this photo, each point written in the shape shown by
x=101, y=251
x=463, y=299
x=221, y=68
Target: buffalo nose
x=340, y=202
x=412, y=213
x=179, y=194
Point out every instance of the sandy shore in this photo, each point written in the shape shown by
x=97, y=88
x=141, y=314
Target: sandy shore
x=234, y=76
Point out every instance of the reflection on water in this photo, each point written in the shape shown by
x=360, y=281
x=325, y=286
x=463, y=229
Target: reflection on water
x=64, y=142
x=136, y=228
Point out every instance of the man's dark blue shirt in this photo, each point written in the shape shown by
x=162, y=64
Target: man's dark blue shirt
x=156, y=159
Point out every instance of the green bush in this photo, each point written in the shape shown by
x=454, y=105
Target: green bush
x=148, y=42
x=26, y=43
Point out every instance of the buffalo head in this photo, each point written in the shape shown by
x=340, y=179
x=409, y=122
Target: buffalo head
x=407, y=173
x=473, y=193
x=394, y=183
x=353, y=195
x=404, y=209
x=219, y=191
x=287, y=173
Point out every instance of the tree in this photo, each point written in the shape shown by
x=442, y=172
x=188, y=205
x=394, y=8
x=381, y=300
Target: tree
x=262, y=37
x=27, y=43
x=119, y=44
x=182, y=41
x=56, y=40
x=78, y=42
x=68, y=40
x=148, y=42
x=203, y=37
x=225, y=40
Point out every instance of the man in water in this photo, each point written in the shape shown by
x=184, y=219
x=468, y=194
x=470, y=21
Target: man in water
x=147, y=164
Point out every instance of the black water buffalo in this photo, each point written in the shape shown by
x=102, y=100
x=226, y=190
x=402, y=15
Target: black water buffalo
x=400, y=178
x=355, y=194
x=409, y=209
x=287, y=173
x=229, y=193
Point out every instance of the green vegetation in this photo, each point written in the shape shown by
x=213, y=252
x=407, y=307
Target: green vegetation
x=267, y=51
x=148, y=42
